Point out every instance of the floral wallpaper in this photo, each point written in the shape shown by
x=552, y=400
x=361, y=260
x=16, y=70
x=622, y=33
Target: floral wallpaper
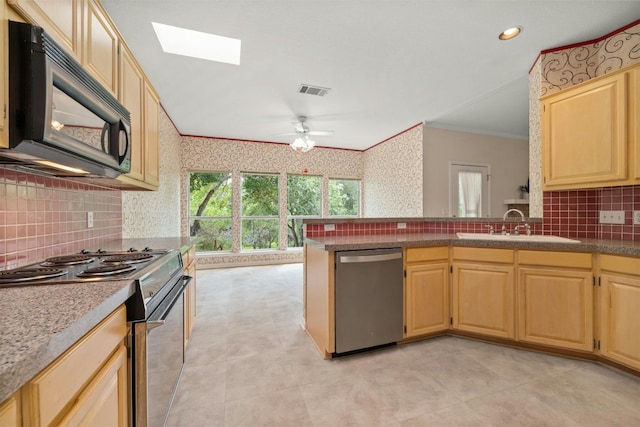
x=157, y=213
x=561, y=68
x=213, y=154
x=393, y=176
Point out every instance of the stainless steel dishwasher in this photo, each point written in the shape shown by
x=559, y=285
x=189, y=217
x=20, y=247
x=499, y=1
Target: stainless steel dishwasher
x=368, y=298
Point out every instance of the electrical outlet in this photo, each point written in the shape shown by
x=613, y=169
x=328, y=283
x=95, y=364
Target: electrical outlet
x=329, y=227
x=89, y=219
x=612, y=217
x=402, y=225
x=636, y=217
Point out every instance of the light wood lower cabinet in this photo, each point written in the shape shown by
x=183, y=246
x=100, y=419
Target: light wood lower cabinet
x=483, y=291
x=189, y=263
x=620, y=310
x=86, y=385
x=555, y=299
x=426, y=291
x=10, y=412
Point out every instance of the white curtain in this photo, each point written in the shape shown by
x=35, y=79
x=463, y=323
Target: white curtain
x=470, y=185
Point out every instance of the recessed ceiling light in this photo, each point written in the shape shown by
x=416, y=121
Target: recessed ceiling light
x=510, y=33
x=181, y=41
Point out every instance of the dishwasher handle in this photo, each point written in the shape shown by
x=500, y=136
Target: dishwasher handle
x=348, y=259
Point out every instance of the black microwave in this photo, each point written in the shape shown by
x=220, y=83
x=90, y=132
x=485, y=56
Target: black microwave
x=61, y=120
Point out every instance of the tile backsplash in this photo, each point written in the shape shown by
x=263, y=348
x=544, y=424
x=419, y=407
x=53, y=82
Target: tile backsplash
x=43, y=216
x=569, y=213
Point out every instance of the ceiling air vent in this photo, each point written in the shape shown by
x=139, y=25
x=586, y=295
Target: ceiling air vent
x=313, y=90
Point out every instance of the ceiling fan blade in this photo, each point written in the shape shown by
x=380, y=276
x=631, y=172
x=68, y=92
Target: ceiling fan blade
x=320, y=133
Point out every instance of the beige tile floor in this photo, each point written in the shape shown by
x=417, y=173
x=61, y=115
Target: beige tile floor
x=249, y=363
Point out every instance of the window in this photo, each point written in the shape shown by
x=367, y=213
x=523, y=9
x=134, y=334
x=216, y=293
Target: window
x=344, y=197
x=469, y=190
x=260, y=211
x=304, y=200
x=210, y=210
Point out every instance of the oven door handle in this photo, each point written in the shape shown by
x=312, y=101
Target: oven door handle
x=152, y=324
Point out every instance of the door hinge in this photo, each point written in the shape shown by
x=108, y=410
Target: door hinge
x=451, y=320
x=405, y=273
x=4, y=111
x=544, y=179
x=599, y=281
x=405, y=329
x=596, y=344
x=593, y=281
x=451, y=269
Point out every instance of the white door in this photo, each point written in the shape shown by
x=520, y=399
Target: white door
x=469, y=190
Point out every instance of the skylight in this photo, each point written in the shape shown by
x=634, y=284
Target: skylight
x=181, y=41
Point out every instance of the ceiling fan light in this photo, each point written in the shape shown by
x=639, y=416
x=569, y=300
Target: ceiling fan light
x=302, y=144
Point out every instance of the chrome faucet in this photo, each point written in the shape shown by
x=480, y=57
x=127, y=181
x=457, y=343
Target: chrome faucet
x=504, y=217
x=516, y=229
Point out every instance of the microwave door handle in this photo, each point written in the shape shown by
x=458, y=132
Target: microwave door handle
x=103, y=140
x=121, y=127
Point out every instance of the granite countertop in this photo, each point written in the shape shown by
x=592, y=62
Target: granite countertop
x=39, y=323
x=345, y=243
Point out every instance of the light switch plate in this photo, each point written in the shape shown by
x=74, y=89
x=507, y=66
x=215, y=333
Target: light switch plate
x=402, y=225
x=636, y=217
x=89, y=219
x=329, y=227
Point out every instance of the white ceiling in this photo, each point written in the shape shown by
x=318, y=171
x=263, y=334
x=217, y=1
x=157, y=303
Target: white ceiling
x=390, y=64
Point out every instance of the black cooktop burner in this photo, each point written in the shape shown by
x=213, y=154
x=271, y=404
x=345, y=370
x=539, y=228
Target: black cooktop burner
x=68, y=260
x=106, y=270
x=129, y=258
x=30, y=274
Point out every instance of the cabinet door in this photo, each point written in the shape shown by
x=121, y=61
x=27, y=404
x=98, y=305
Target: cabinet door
x=100, y=46
x=634, y=122
x=620, y=332
x=131, y=95
x=10, y=412
x=483, y=299
x=556, y=307
x=152, y=137
x=426, y=299
x=584, y=135
x=59, y=18
x=104, y=401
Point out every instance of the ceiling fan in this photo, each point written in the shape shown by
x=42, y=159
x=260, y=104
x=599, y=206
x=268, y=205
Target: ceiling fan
x=302, y=142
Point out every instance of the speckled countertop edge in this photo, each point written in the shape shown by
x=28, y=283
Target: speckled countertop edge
x=347, y=243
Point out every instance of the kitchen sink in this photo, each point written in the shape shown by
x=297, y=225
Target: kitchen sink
x=516, y=238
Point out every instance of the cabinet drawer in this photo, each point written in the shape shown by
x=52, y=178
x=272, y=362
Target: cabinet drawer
x=51, y=390
x=484, y=254
x=620, y=264
x=555, y=259
x=427, y=254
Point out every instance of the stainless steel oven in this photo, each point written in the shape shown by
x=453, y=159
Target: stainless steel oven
x=157, y=343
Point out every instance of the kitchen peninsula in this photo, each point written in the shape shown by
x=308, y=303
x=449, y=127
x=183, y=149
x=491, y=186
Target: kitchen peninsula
x=574, y=298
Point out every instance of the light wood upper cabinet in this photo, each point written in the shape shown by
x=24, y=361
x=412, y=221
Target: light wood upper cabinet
x=61, y=19
x=555, y=299
x=426, y=291
x=634, y=122
x=131, y=95
x=484, y=291
x=152, y=136
x=584, y=134
x=100, y=46
x=620, y=310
